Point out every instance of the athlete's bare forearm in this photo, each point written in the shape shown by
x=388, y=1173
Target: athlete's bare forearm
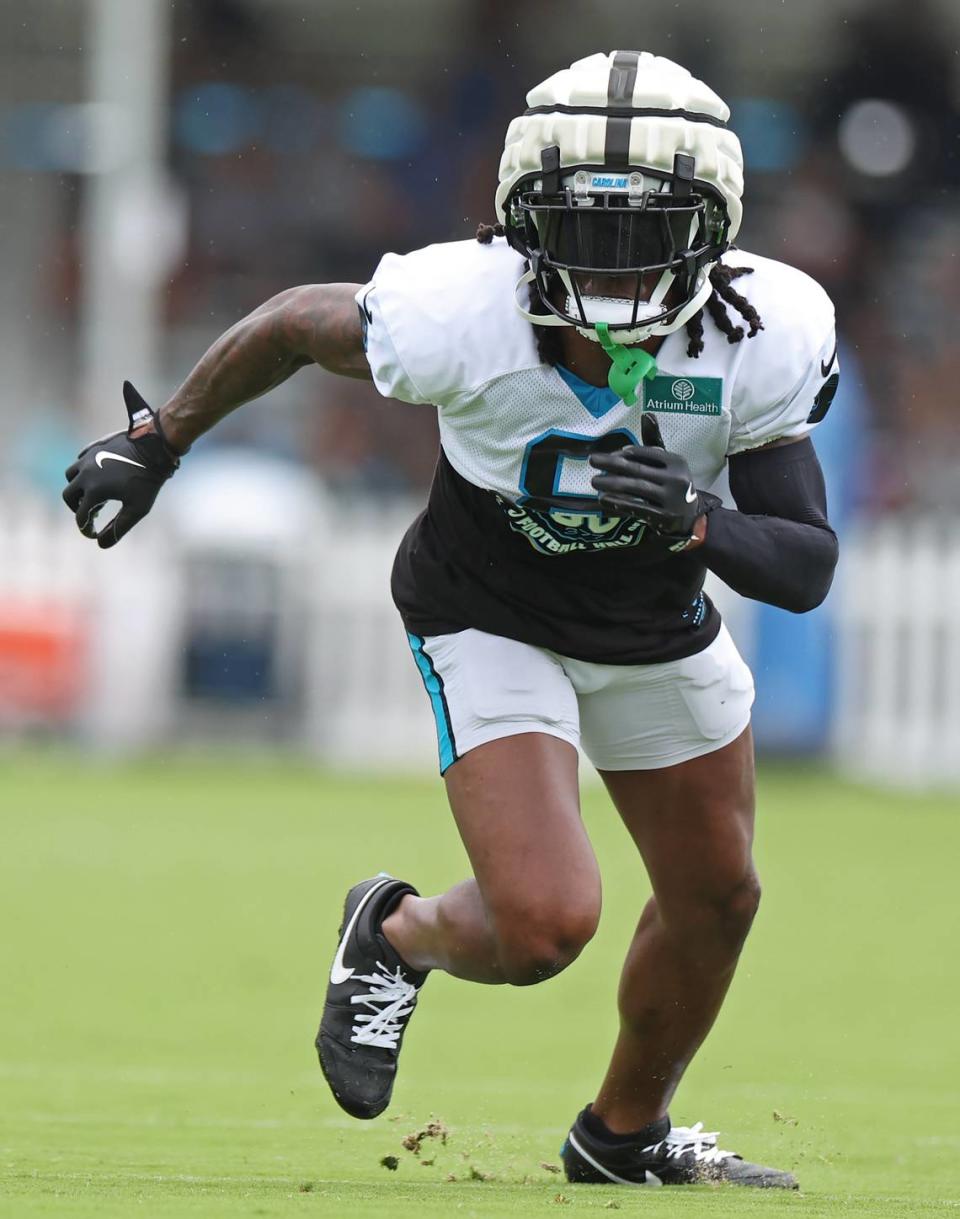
x=315, y=324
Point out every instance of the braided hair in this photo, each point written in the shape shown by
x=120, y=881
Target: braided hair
x=549, y=345
x=723, y=294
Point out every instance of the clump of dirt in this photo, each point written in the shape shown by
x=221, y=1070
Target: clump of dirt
x=435, y=1129
x=787, y=1121
x=390, y=1162
x=549, y=1167
x=436, y=1133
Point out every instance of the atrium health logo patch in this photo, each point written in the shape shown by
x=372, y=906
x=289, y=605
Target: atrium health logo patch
x=684, y=395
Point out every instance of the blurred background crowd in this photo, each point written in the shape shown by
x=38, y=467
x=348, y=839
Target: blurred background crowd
x=168, y=165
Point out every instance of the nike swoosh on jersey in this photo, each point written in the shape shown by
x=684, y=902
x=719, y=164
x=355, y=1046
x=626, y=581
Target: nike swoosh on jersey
x=826, y=365
x=338, y=971
x=103, y=456
x=690, y=494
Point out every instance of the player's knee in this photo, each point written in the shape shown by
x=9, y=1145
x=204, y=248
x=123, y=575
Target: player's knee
x=720, y=916
x=735, y=909
x=532, y=949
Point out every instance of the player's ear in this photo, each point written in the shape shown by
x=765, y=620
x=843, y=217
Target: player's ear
x=650, y=431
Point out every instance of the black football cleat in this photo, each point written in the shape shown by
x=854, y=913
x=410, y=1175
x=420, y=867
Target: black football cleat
x=370, y=998
x=662, y=1155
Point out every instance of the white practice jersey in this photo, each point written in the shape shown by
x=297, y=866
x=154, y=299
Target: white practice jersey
x=441, y=328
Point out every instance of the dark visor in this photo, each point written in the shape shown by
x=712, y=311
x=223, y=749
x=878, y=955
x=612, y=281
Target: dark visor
x=614, y=238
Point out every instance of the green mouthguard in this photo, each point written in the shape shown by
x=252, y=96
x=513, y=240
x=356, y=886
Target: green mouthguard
x=629, y=365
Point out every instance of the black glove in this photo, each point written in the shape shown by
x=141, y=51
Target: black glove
x=649, y=482
x=128, y=466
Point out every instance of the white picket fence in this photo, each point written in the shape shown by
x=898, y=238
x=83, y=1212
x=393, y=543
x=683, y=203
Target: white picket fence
x=356, y=698
x=897, y=613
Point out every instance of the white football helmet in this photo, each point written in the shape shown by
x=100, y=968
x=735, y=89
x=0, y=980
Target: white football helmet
x=620, y=184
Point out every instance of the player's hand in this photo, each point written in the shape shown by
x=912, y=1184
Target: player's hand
x=649, y=482
x=128, y=466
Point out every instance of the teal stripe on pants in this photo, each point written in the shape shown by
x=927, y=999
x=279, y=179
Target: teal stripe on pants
x=434, y=687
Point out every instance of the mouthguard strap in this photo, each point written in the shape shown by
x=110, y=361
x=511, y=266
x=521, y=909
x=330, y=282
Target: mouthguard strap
x=628, y=365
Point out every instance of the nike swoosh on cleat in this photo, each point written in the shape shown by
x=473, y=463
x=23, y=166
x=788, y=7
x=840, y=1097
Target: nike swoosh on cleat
x=103, y=456
x=690, y=495
x=649, y=1178
x=339, y=973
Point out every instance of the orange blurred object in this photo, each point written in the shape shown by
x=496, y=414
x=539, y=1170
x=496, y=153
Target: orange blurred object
x=43, y=660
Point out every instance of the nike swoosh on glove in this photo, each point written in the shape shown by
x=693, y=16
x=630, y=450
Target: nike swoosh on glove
x=649, y=482
x=129, y=466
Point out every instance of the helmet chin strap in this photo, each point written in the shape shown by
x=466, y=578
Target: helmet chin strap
x=634, y=335
x=613, y=310
x=536, y=319
x=594, y=305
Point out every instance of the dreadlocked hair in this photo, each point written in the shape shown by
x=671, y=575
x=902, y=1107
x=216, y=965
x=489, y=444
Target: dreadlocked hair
x=487, y=232
x=723, y=294
x=550, y=347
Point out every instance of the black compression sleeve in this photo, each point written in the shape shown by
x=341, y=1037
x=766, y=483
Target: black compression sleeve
x=778, y=547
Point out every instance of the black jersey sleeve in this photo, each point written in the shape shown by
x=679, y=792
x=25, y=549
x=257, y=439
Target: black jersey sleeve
x=777, y=546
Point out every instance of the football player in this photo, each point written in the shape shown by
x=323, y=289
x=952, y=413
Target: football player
x=597, y=357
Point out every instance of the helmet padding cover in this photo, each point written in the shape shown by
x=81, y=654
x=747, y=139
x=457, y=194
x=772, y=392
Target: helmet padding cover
x=584, y=110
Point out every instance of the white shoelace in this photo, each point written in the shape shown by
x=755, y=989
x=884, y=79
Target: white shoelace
x=391, y=999
x=703, y=1144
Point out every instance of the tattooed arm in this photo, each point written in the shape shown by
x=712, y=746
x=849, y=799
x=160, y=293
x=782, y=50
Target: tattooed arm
x=315, y=324
x=318, y=324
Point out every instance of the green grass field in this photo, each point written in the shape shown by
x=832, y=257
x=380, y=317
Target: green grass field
x=166, y=931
